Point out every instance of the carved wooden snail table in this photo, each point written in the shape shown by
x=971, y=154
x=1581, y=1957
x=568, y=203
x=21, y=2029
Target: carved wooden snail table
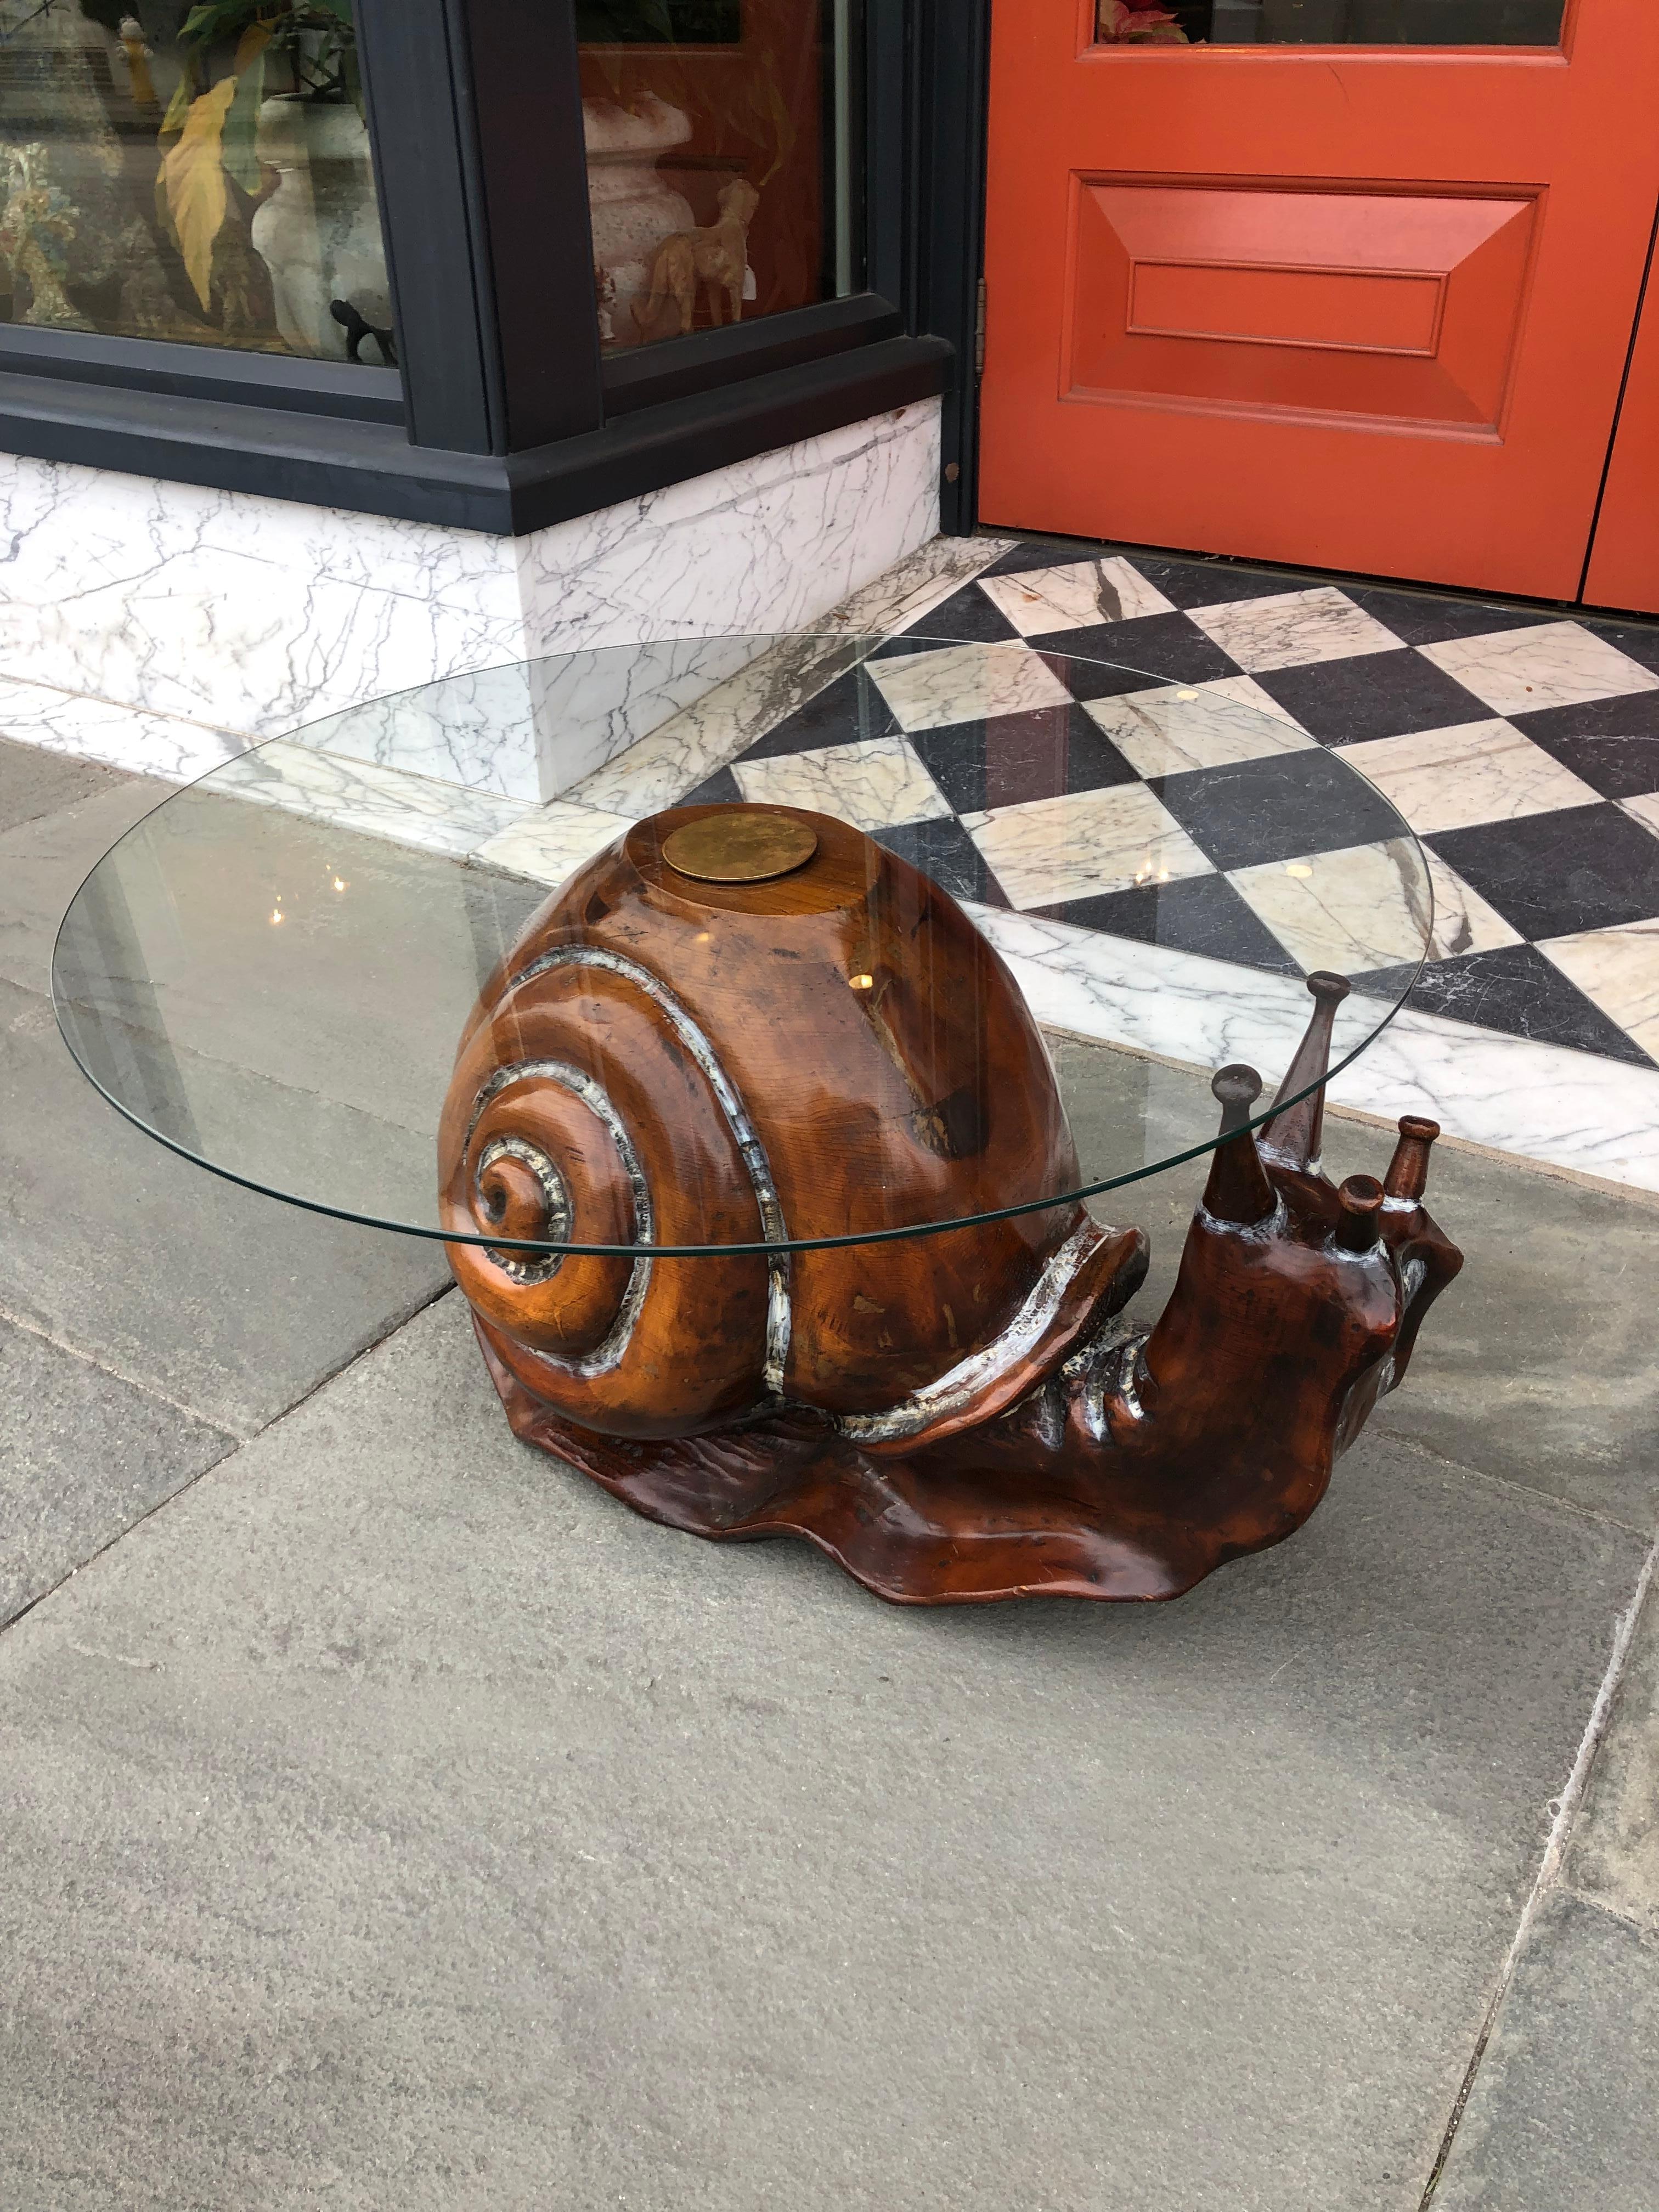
x=793, y=1035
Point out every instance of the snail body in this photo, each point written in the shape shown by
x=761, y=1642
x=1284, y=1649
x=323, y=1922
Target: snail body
x=834, y=1052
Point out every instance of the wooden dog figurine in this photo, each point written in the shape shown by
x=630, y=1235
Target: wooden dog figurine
x=717, y=256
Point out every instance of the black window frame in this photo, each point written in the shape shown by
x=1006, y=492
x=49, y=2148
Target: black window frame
x=501, y=416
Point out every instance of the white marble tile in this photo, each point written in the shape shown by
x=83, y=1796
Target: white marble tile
x=685, y=750
x=1474, y=772
x=1644, y=810
x=120, y=736
x=379, y=802
x=1369, y=907
x=771, y=544
x=1618, y=970
x=930, y=690
x=1291, y=629
x=1084, y=843
x=552, y=843
x=874, y=785
x=1540, y=1102
x=902, y=595
x=1184, y=726
x=1075, y=597
x=1560, y=664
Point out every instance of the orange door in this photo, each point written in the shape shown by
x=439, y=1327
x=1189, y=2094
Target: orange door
x=1351, y=308
x=1624, y=566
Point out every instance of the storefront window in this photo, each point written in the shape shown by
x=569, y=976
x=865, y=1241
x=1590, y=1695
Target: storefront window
x=1333, y=23
x=195, y=170
x=723, y=151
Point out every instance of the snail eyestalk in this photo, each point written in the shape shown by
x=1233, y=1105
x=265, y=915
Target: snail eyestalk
x=1238, y=1190
x=1408, y=1170
x=1294, y=1133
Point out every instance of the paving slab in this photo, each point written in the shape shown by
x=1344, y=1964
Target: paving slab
x=1614, y=1854
x=33, y=782
x=46, y=857
x=394, y=1815
x=231, y=1304
x=1538, y=1364
x=85, y=1455
x=1564, y=2115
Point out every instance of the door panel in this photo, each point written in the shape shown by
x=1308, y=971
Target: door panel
x=1624, y=569
x=1361, y=309
x=1394, y=306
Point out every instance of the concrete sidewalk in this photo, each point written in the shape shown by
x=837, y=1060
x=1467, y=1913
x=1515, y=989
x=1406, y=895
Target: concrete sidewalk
x=392, y=1820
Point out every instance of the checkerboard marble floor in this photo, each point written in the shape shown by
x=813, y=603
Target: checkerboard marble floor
x=1138, y=747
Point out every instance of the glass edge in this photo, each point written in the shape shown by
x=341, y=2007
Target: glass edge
x=898, y=1235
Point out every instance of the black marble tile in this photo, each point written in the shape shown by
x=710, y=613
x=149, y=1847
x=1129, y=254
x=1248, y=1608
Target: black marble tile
x=845, y=713
x=1419, y=618
x=1042, y=553
x=1103, y=659
x=1640, y=639
x=1581, y=867
x=966, y=618
x=720, y=789
x=1614, y=744
x=1276, y=809
x=1213, y=583
x=1200, y=914
x=1012, y=758
x=1372, y=695
x=943, y=850
x=1513, y=988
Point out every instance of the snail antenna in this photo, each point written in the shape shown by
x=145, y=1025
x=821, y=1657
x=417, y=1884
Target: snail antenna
x=1408, y=1170
x=1293, y=1134
x=1238, y=1190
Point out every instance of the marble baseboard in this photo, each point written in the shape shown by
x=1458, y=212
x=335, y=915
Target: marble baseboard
x=258, y=616
x=1540, y=1102
x=98, y=730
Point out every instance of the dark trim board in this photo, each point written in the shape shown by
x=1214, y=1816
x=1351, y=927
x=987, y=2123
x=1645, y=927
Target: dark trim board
x=370, y=468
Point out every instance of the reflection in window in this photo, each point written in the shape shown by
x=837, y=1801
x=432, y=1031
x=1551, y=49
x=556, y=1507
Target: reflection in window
x=724, y=149
x=1333, y=23
x=196, y=170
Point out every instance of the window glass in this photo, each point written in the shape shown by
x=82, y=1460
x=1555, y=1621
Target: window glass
x=725, y=152
x=1333, y=22
x=196, y=170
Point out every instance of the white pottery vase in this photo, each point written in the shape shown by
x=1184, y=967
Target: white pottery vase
x=631, y=209
x=319, y=233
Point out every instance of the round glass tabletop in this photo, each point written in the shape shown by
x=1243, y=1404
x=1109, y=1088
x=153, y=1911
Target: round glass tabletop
x=469, y=891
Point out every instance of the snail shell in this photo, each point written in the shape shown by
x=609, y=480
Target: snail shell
x=835, y=1052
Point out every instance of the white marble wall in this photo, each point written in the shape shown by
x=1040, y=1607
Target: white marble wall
x=251, y=616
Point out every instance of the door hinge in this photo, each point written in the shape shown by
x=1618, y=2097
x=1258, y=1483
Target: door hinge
x=979, y=331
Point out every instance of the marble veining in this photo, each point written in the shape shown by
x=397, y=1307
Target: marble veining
x=1476, y=772
x=875, y=785
x=771, y=544
x=1519, y=672
x=1075, y=597
x=1369, y=907
x=1083, y=844
x=1617, y=970
x=98, y=730
x=1644, y=809
x=1542, y=1102
x=1293, y=629
x=1189, y=725
x=708, y=733
x=256, y=615
x=361, y=795
x=951, y=684
x=551, y=843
